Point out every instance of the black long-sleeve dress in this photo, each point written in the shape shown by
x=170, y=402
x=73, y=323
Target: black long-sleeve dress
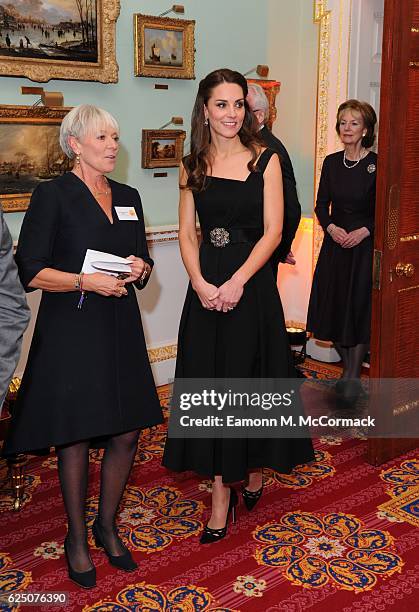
x=340, y=300
x=292, y=207
x=248, y=342
x=88, y=373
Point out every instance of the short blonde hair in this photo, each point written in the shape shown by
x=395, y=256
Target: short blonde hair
x=82, y=120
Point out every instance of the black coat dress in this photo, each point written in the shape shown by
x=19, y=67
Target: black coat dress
x=88, y=373
x=248, y=342
x=340, y=300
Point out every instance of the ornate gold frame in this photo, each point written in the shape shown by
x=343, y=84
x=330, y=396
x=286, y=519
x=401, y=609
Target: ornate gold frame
x=271, y=89
x=187, y=27
x=104, y=71
x=32, y=115
x=147, y=160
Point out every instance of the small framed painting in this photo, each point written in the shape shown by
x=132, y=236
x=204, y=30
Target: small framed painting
x=164, y=47
x=162, y=148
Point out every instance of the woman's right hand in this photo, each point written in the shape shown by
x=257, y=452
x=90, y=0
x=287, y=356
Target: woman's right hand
x=206, y=292
x=338, y=234
x=104, y=284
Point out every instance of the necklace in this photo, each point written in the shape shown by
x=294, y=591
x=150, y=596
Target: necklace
x=101, y=193
x=361, y=156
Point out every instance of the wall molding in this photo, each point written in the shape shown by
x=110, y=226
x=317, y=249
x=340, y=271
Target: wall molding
x=334, y=20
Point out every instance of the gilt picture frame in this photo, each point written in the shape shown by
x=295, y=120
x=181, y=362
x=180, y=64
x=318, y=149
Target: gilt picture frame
x=164, y=47
x=61, y=39
x=30, y=152
x=162, y=148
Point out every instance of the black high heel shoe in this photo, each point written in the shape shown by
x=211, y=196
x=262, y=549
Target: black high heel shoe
x=124, y=562
x=251, y=498
x=214, y=535
x=87, y=580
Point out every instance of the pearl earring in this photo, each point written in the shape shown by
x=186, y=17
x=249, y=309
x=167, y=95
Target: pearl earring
x=206, y=122
x=78, y=159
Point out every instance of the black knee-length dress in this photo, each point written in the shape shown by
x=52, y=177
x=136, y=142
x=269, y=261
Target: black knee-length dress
x=340, y=300
x=88, y=373
x=248, y=342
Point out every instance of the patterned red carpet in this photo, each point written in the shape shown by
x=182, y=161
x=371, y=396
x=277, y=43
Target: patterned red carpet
x=337, y=535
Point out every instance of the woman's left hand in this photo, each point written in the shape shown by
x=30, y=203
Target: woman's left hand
x=229, y=295
x=355, y=237
x=139, y=269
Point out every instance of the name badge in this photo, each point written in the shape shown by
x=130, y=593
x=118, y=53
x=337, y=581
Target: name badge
x=126, y=213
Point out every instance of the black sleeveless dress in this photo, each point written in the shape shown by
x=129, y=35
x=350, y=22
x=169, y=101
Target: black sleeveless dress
x=248, y=342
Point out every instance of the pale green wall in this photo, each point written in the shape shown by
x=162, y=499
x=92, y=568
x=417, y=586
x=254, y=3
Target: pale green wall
x=233, y=33
x=292, y=57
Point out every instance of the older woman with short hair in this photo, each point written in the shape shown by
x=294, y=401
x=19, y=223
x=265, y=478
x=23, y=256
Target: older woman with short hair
x=340, y=301
x=88, y=374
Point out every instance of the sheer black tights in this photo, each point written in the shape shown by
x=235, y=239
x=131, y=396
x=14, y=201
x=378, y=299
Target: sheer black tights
x=73, y=468
x=352, y=358
x=116, y=466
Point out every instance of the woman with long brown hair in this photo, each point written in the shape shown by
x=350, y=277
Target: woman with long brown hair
x=232, y=324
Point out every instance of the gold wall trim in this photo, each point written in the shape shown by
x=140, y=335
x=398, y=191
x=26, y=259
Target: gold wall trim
x=323, y=18
x=408, y=288
x=162, y=353
x=409, y=238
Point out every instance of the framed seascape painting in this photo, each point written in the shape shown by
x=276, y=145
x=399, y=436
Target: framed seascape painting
x=271, y=89
x=59, y=39
x=164, y=47
x=162, y=148
x=30, y=152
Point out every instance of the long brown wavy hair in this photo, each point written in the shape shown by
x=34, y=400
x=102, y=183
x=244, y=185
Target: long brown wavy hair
x=198, y=162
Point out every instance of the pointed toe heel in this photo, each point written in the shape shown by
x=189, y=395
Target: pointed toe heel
x=215, y=535
x=124, y=562
x=85, y=580
x=251, y=498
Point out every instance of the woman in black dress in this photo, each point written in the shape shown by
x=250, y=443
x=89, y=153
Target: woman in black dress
x=340, y=301
x=232, y=323
x=88, y=374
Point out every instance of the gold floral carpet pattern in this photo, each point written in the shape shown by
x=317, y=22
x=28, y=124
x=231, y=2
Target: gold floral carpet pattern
x=336, y=535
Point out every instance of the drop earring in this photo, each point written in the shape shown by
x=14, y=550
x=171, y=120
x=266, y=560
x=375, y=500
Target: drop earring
x=77, y=159
x=206, y=122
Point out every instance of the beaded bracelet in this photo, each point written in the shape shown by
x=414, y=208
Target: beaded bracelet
x=79, y=286
x=78, y=281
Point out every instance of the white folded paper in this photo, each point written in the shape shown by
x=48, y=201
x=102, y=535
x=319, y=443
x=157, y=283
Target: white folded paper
x=98, y=261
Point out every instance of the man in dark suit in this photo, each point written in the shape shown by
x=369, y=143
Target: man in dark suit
x=14, y=311
x=259, y=104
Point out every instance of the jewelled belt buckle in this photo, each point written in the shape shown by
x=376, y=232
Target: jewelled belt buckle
x=219, y=237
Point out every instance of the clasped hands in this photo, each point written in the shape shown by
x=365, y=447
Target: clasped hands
x=223, y=298
x=345, y=239
x=109, y=285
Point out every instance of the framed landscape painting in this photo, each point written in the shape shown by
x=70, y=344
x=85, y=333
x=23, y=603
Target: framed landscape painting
x=30, y=152
x=162, y=148
x=59, y=39
x=164, y=47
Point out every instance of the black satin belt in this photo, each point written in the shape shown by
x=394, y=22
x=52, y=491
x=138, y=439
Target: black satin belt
x=221, y=236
